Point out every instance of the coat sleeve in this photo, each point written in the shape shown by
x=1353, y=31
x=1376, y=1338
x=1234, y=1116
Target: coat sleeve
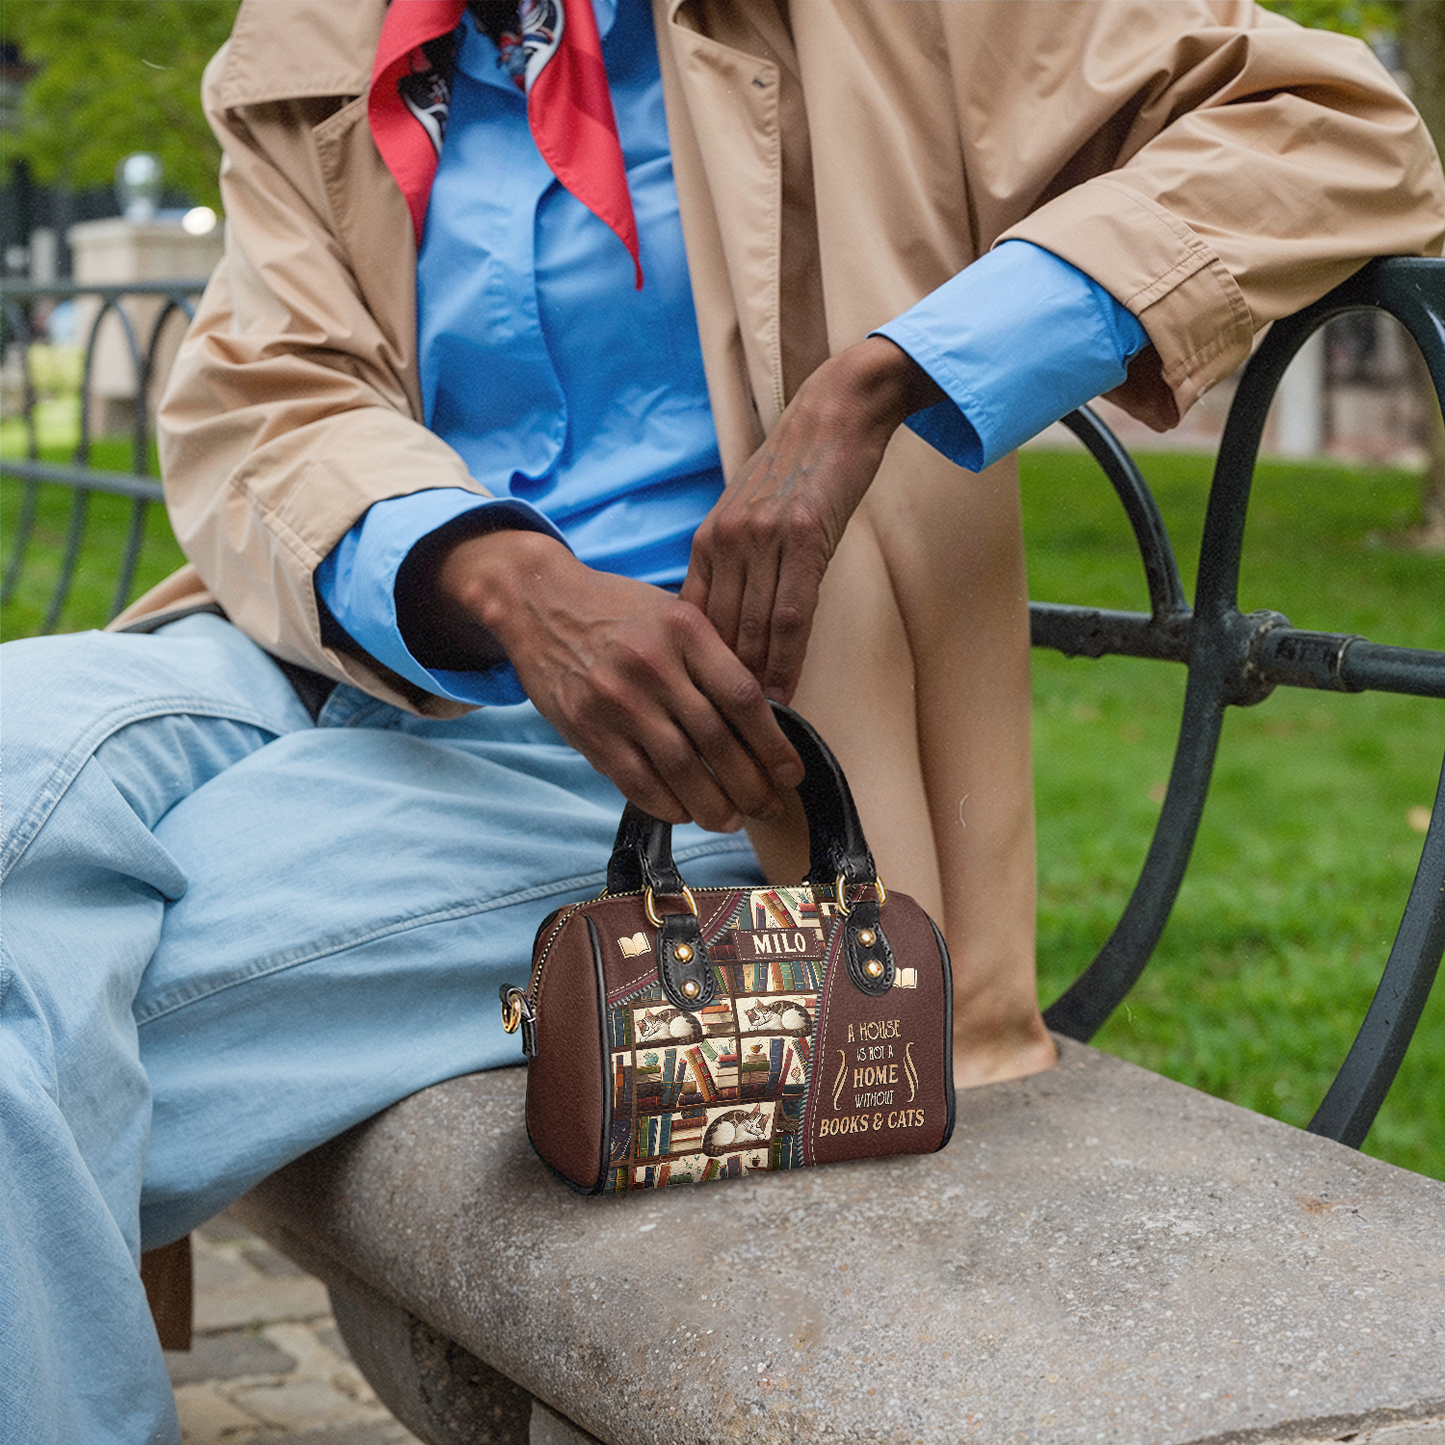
x=293, y=405
x=1212, y=165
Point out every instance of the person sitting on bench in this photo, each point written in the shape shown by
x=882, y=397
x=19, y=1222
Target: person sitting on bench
x=574, y=381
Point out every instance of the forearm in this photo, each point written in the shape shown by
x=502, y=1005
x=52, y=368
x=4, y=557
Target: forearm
x=869, y=389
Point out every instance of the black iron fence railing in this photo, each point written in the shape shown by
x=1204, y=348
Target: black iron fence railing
x=129, y=332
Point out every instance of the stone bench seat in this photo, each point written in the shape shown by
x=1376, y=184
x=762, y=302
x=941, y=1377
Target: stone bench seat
x=1100, y=1254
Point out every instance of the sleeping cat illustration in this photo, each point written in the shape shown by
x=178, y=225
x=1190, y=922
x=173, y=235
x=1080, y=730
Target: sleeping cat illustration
x=737, y=1129
x=673, y=1024
x=786, y=1016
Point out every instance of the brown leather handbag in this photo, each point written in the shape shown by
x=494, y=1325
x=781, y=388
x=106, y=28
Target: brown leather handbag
x=674, y=1035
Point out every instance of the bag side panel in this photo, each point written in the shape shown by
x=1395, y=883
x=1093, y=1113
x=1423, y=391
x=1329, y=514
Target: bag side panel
x=883, y=1082
x=568, y=1089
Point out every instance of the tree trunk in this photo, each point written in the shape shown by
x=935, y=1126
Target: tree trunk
x=1422, y=45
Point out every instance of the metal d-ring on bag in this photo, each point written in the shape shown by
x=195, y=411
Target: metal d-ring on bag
x=674, y=1035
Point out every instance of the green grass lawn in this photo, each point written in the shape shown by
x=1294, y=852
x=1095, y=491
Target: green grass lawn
x=1317, y=811
x=107, y=524
x=1316, y=816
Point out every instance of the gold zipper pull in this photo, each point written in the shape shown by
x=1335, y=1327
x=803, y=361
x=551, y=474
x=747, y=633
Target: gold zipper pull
x=515, y=1008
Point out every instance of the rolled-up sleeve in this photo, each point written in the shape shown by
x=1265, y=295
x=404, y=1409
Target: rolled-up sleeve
x=1016, y=340
x=357, y=583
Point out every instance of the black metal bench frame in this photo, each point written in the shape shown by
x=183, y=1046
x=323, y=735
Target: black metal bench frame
x=1236, y=660
x=1233, y=659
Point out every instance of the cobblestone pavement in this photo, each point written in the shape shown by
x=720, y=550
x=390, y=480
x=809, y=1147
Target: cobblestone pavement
x=267, y=1366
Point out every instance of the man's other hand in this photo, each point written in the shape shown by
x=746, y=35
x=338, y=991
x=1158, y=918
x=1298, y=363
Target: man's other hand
x=759, y=557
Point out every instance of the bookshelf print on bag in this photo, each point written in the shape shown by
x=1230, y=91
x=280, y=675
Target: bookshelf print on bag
x=752, y=1030
x=720, y=1092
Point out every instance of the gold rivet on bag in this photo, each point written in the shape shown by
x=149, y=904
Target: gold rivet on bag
x=866, y=937
x=683, y=953
x=691, y=987
x=873, y=968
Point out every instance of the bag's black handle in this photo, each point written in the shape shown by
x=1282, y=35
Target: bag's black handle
x=642, y=854
x=839, y=859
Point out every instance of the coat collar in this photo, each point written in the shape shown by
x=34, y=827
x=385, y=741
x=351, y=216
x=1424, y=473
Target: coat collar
x=295, y=49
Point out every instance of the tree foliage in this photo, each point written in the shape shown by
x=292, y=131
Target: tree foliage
x=112, y=77
x=1422, y=45
x=1351, y=17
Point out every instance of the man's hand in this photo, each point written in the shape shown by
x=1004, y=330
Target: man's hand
x=637, y=680
x=759, y=557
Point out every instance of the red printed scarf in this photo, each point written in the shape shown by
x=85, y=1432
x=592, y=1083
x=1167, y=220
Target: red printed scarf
x=555, y=56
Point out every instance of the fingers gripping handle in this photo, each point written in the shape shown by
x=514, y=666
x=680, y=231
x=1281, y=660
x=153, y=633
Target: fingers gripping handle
x=839, y=859
x=642, y=854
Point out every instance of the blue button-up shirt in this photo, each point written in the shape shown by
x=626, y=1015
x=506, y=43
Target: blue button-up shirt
x=580, y=403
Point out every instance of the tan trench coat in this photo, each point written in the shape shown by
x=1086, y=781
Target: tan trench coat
x=1209, y=164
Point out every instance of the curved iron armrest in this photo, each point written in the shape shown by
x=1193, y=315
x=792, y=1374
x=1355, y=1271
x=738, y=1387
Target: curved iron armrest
x=1237, y=660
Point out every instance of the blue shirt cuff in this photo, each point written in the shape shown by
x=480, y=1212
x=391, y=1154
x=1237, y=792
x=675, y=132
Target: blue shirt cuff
x=357, y=582
x=1016, y=340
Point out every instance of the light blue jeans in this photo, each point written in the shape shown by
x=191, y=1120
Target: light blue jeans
x=229, y=933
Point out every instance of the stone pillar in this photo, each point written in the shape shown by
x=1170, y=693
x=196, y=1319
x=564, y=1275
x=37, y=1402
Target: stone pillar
x=117, y=252
x=1299, y=404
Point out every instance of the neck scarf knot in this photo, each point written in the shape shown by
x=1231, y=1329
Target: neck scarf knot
x=553, y=53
